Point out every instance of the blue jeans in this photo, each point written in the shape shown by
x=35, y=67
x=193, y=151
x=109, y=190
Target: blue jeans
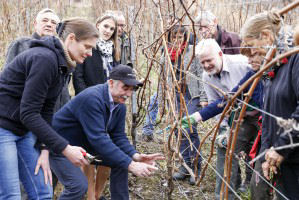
x=151, y=116
x=75, y=182
x=18, y=159
x=185, y=149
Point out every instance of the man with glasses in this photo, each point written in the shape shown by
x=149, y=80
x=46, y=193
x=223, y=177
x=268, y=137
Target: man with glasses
x=208, y=28
x=126, y=42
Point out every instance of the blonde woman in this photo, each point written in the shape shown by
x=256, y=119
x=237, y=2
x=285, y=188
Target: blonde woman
x=260, y=31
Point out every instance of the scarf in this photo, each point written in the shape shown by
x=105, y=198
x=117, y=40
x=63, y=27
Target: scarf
x=69, y=61
x=106, y=49
x=175, y=53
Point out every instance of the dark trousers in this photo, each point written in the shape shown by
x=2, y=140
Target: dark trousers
x=75, y=182
x=188, y=153
x=259, y=189
x=288, y=181
x=247, y=133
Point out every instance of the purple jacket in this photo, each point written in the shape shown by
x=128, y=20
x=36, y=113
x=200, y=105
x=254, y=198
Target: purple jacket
x=227, y=41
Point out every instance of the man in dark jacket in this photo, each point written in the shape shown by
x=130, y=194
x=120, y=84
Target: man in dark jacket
x=44, y=25
x=95, y=120
x=125, y=41
x=208, y=27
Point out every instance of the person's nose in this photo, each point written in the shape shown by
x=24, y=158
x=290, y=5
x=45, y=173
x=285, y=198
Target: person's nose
x=205, y=65
x=129, y=93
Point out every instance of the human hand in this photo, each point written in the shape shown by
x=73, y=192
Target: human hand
x=43, y=162
x=141, y=169
x=148, y=158
x=268, y=170
x=194, y=118
x=273, y=158
x=75, y=155
x=221, y=140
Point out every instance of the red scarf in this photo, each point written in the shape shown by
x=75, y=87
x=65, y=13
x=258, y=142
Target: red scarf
x=175, y=53
x=254, y=148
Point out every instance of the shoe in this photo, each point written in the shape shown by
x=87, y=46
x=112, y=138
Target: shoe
x=192, y=179
x=181, y=174
x=147, y=138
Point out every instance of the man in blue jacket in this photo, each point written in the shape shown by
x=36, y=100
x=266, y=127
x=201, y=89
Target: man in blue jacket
x=95, y=120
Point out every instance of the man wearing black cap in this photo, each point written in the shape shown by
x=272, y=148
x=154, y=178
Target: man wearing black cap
x=95, y=120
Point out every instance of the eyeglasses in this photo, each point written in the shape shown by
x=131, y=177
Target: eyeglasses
x=122, y=25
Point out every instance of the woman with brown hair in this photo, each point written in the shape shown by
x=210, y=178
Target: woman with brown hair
x=29, y=87
x=106, y=55
x=259, y=32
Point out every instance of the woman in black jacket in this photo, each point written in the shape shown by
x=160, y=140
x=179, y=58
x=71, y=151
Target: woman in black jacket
x=106, y=55
x=281, y=94
x=29, y=87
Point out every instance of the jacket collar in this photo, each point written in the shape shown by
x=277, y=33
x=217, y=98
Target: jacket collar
x=106, y=95
x=36, y=36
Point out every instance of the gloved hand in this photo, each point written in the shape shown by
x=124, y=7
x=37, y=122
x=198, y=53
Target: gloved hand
x=194, y=118
x=222, y=139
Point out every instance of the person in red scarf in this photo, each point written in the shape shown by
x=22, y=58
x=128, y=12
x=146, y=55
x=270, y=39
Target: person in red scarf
x=180, y=52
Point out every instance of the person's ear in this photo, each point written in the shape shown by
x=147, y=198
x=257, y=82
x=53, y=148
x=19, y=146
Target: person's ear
x=71, y=36
x=267, y=36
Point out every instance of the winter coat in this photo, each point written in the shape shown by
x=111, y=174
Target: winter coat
x=127, y=50
x=22, y=44
x=90, y=73
x=229, y=42
x=89, y=121
x=281, y=99
x=29, y=87
x=18, y=46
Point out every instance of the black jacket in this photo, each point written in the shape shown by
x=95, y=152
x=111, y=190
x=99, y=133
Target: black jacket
x=29, y=87
x=90, y=73
x=282, y=100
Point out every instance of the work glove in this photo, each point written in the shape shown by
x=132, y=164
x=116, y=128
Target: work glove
x=222, y=139
x=194, y=118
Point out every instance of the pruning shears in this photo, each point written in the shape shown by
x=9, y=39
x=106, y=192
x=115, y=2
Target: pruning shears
x=91, y=159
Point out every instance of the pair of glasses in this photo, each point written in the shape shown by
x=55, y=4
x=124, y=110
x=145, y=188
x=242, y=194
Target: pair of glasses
x=121, y=25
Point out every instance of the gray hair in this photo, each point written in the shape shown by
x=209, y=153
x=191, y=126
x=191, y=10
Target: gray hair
x=117, y=14
x=205, y=15
x=46, y=10
x=207, y=45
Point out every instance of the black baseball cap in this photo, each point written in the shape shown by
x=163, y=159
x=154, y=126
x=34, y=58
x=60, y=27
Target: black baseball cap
x=125, y=74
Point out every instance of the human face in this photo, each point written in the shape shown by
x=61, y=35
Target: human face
x=255, y=53
x=119, y=91
x=106, y=29
x=121, y=24
x=45, y=24
x=176, y=39
x=211, y=62
x=79, y=50
x=207, y=29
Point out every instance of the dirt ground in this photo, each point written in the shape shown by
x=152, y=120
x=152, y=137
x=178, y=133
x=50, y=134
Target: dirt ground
x=155, y=187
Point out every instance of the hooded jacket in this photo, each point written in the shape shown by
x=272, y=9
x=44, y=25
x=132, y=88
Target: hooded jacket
x=29, y=87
